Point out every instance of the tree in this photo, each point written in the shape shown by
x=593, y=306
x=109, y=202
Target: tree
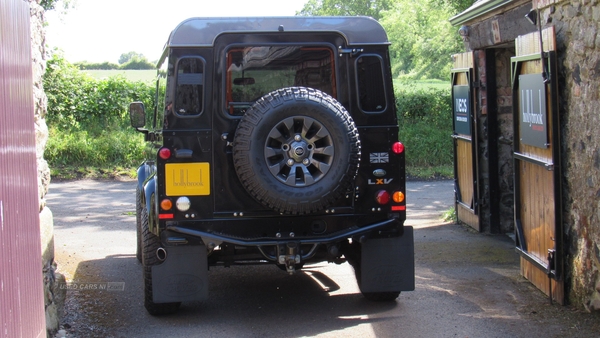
x=422, y=38
x=372, y=8
x=137, y=64
x=126, y=57
x=458, y=5
x=52, y=4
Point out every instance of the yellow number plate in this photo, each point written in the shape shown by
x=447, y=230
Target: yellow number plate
x=187, y=179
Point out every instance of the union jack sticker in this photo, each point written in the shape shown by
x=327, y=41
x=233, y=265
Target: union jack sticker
x=379, y=157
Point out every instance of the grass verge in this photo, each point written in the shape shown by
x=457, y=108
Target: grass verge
x=65, y=173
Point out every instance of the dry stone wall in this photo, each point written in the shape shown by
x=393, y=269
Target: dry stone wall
x=53, y=296
x=578, y=26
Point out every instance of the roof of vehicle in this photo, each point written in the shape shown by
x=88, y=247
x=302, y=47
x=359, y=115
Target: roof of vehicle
x=202, y=32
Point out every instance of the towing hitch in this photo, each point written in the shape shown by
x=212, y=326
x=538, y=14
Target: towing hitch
x=290, y=256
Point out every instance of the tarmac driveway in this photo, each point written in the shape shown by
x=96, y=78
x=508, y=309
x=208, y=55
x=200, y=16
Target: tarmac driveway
x=467, y=284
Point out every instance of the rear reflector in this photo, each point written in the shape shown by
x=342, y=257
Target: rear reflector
x=398, y=207
x=165, y=216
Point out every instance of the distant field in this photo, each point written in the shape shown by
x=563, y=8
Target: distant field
x=131, y=75
x=421, y=84
x=150, y=75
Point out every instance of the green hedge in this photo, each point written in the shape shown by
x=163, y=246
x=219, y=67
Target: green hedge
x=425, y=120
x=89, y=124
x=88, y=120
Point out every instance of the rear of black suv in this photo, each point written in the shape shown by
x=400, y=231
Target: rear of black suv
x=276, y=143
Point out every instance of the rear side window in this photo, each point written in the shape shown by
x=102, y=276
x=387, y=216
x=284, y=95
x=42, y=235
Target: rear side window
x=371, y=89
x=255, y=71
x=189, y=95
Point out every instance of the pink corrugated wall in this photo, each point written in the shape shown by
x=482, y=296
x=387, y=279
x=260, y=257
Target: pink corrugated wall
x=21, y=292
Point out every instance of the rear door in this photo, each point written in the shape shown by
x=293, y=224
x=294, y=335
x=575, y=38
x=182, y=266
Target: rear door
x=538, y=220
x=465, y=139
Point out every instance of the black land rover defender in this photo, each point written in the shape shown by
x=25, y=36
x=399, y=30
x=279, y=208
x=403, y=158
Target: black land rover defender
x=276, y=143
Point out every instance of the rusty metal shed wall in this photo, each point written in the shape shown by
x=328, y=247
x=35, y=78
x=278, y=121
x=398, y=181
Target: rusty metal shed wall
x=21, y=293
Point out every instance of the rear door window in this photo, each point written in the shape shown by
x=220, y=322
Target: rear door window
x=255, y=71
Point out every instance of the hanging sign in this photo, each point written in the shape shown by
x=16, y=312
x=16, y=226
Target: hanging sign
x=462, y=110
x=532, y=110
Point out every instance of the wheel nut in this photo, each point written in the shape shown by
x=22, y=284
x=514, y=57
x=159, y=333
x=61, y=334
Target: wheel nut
x=298, y=137
x=290, y=162
x=305, y=161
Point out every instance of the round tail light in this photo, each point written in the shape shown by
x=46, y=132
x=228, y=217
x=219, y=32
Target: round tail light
x=398, y=197
x=382, y=197
x=398, y=148
x=166, y=204
x=164, y=153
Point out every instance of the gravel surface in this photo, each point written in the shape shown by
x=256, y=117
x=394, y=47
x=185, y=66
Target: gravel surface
x=467, y=284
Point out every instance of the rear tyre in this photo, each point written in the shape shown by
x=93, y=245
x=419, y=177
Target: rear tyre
x=150, y=243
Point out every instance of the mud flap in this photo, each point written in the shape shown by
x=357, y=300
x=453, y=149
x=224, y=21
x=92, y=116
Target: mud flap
x=183, y=276
x=388, y=264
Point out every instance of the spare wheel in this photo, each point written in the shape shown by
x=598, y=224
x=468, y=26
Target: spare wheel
x=296, y=150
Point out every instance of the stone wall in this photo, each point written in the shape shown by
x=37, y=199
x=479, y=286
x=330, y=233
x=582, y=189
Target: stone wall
x=53, y=296
x=504, y=151
x=578, y=26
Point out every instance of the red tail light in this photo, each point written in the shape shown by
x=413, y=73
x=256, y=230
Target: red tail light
x=382, y=197
x=164, y=153
x=398, y=148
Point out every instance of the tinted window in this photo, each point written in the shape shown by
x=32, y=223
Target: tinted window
x=371, y=90
x=190, y=84
x=255, y=71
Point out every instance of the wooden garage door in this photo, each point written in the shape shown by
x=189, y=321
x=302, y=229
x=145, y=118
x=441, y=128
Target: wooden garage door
x=465, y=160
x=537, y=162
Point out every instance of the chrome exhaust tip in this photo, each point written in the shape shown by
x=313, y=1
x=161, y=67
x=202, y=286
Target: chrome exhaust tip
x=161, y=254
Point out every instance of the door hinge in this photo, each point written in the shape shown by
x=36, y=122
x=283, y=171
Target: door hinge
x=479, y=84
x=352, y=51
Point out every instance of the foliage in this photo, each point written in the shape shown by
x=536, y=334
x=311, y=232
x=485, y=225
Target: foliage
x=457, y=5
x=422, y=39
x=129, y=56
x=96, y=148
x=136, y=63
x=425, y=120
x=87, y=118
x=97, y=65
x=450, y=216
x=76, y=99
x=52, y=4
x=133, y=64
x=148, y=75
x=372, y=8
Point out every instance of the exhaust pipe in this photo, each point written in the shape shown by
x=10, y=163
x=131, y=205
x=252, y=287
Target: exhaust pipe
x=161, y=254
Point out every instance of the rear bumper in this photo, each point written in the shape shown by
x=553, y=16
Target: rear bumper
x=331, y=238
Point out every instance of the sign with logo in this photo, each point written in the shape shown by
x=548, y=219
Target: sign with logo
x=462, y=110
x=532, y=110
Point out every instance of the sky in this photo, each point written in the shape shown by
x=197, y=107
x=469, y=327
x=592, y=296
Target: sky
x=102, y=30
